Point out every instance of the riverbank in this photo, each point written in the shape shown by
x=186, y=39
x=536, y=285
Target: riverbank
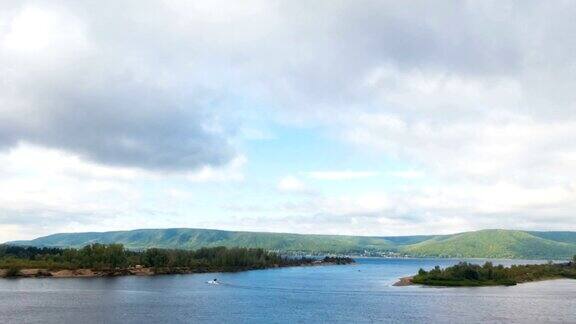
x=404, y=281
x=472, y=275
x=149, y=271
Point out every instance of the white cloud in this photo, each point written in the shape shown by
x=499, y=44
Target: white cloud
x=233, y=171
x=46, y=190
x=33, y=30
x=424, y=210
x=292, y=184
x=72, y=84
x=116, y=101
x=407, y=174
x=341, y=175
x=511, y=147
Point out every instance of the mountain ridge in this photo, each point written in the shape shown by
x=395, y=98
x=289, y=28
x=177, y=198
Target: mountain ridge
x=488, y=243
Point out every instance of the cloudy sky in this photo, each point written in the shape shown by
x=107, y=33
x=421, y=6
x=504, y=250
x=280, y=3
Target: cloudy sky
x=341, y=117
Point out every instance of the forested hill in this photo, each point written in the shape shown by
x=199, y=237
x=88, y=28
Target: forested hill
x=498, y=244
x=189, y=238
x=477, y=244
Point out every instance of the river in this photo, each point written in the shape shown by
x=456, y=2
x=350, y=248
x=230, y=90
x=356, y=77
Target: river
x=360, y=293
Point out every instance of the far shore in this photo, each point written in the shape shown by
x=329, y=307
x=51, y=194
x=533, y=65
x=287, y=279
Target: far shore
x=137, y=271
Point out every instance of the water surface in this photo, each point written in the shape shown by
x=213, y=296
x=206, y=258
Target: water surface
x=358, y=293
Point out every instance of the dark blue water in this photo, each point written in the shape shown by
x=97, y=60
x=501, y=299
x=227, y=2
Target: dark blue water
x=356, y=293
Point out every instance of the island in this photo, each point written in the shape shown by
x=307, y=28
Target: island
x=466, y=274
x=104, y=260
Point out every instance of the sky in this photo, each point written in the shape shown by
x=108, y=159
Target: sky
x=332, y=117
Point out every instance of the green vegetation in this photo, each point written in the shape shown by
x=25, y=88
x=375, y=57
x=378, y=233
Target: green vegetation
x=94, y=256
x=471, y=275
x=114, y=256
x=12, y=272
x=190, y=239
x=495, y=244
x=478, y=244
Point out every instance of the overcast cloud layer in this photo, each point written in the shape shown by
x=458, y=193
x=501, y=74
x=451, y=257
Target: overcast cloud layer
x=116, y=116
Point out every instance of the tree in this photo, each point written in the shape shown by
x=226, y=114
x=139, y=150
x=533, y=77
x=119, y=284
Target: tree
x=155, y=258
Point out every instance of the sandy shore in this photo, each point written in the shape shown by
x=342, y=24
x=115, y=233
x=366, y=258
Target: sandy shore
x=405, y=281
x=43, y=273
x=136, y=271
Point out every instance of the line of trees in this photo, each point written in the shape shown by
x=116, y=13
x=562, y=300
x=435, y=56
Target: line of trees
x=214, y=257
x=114, y=256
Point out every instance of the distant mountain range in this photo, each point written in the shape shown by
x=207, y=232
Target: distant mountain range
x=477, y=244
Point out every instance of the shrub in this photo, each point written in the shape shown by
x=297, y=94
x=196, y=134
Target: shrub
x=12, y=272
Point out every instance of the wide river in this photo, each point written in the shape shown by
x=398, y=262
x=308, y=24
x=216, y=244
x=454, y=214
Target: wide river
x=356, y=293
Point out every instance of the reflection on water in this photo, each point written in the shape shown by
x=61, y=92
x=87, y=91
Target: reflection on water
x=358, y=293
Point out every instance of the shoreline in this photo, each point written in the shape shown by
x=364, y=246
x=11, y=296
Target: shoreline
x=139, y=271
x=407, y=281
x=404, y=281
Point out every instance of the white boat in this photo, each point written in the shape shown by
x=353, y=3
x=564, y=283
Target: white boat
x=213, y=282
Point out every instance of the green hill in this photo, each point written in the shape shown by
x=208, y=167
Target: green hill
x=567, y=237
x=187, y=238
x=478, y=244
x=496, y=244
